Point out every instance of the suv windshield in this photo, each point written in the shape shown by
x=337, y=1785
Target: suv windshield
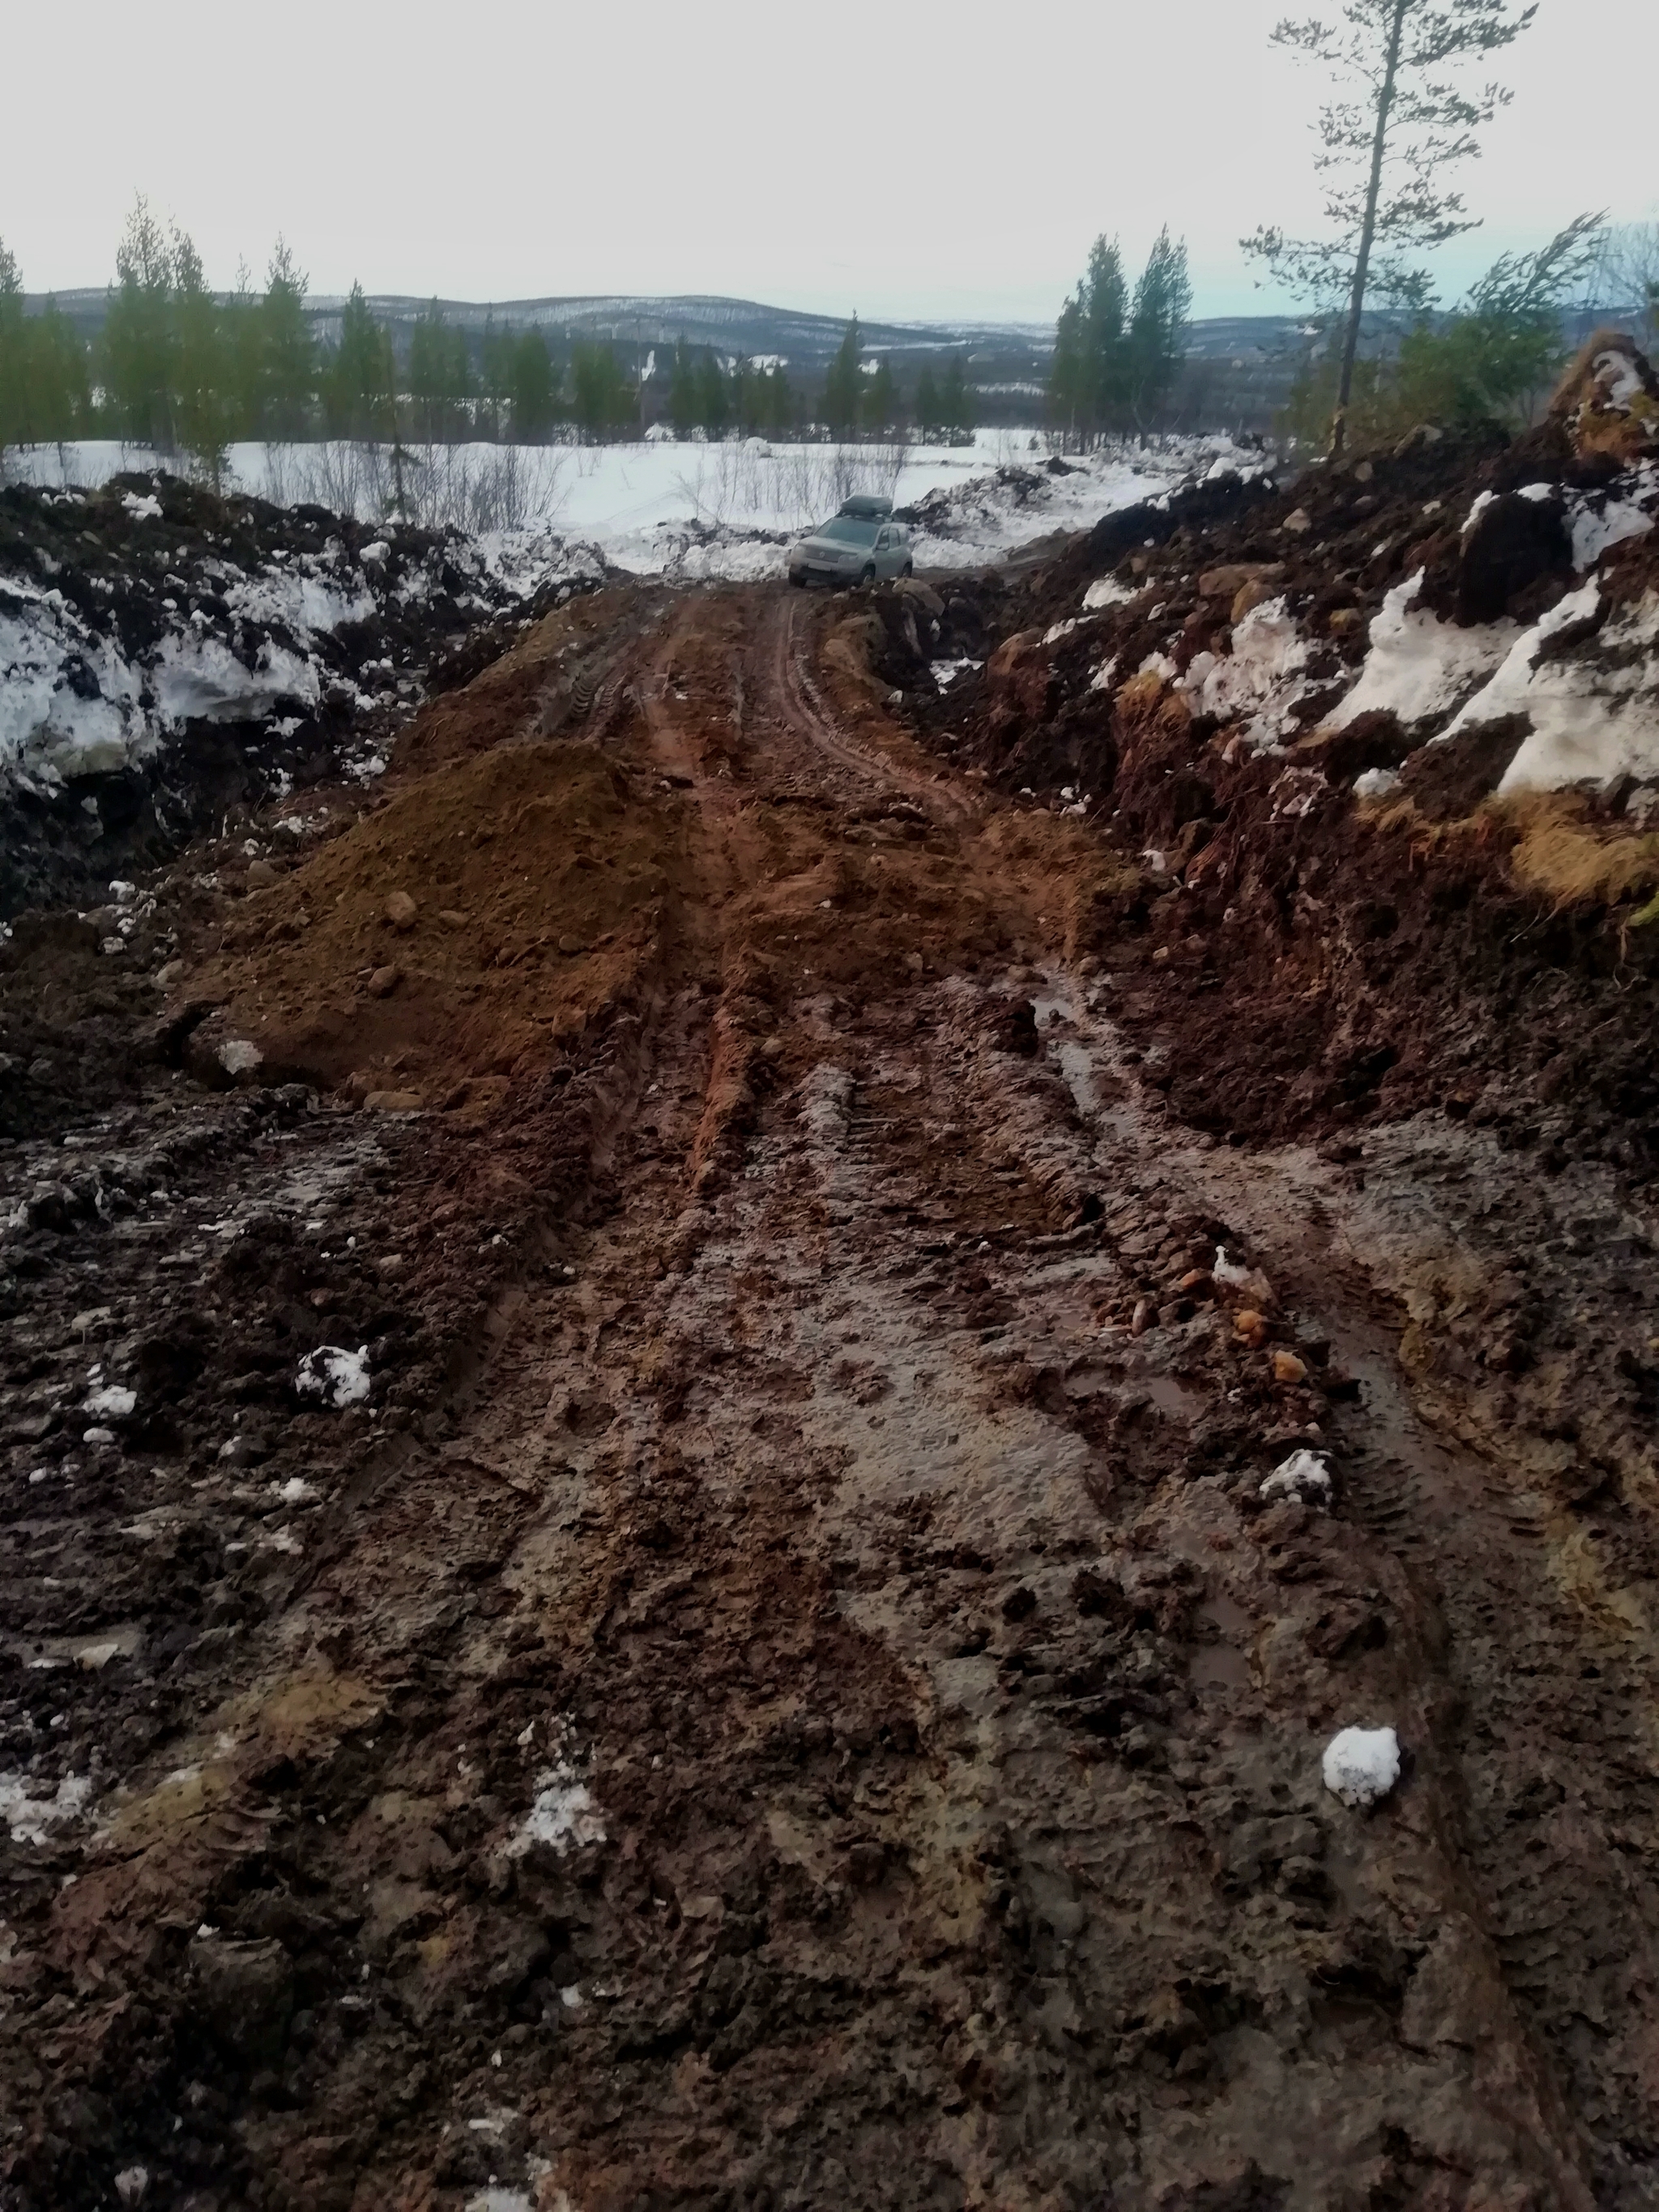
x=848, y=532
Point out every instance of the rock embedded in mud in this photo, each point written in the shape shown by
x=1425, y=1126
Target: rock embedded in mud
x=394, y=1101
x=1288, y=1369
x=1361, y=1765
x=385, y=981
x=401, y=912
x=246, y=1994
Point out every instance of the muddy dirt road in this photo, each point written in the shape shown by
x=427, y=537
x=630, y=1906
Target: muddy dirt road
x=787, y=1690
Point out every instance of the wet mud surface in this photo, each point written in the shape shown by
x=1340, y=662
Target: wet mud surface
x=633, y=1493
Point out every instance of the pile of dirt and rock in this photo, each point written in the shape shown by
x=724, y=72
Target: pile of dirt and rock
x=169, y=657
x=1386, y=740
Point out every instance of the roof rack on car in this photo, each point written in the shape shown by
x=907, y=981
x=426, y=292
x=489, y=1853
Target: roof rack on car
x=867, y=506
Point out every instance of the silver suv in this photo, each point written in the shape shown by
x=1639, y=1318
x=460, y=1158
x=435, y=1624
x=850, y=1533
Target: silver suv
x=857, y=546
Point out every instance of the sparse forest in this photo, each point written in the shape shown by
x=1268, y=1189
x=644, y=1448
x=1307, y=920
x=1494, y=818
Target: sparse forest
x=188, y=371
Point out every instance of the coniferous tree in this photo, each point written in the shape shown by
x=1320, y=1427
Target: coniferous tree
x=1088, y=377
x=778, y=407
x=358, y=383
x=683, y=391
x=288, y=356
x=927, y=414
x=743, y=389
x=534, y=387
x=59, y=402
x=604, y=400
x=242, y=348
x=202, y=400
x=1385, y=150
x=1157, y=328
x=880, y=399
x=137, y=335
x=495, y=373
x=713, y=400
x=956, y=406
x=440, y=374
x=14, y=357
x=842, y=391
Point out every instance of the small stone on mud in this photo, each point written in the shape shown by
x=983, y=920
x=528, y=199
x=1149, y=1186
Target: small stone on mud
x=1288, y=1369
x=394, y=1101
x=1249, y=1326
x=401, y=910
x=384, y=982
x=1145, y=1317
x=451, y=917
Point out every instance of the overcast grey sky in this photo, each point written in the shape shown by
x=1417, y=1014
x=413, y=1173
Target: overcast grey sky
x=908, y=158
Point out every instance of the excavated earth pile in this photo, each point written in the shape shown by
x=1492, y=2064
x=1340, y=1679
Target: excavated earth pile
x=713, y=1403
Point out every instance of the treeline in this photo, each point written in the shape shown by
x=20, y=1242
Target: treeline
x=182, y=369
x=1117, y=354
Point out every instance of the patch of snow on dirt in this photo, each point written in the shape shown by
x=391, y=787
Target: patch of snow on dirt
x=1594, y=713
x=1361, y=1765
x=1257, y=677
x=110, y=1401
x=1419, y=667
x=32, y=1819
x=563, y=1814
x=338, y=1377
x=1303, y=1475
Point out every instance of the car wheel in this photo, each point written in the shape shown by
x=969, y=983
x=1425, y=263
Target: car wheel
x=869, y=574
x=798, y=581
x=910, y=567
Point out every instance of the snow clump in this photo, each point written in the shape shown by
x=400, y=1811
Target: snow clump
x=111, y=1400
x=563, y=1814
x=1362, y=1764
x=1303, y=1475
x=338, y=1377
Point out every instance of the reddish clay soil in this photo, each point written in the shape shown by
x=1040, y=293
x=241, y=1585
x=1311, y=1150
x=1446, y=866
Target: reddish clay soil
x=786, y=1692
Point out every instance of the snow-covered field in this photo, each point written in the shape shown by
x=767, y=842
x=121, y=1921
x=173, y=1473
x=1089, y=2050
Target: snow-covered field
x=693, y=509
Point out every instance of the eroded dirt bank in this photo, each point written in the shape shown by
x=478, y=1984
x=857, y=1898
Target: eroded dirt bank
x=786, y=1690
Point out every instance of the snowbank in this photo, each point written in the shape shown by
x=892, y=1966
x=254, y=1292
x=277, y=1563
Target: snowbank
x=1595, y=714
x=1419, y=667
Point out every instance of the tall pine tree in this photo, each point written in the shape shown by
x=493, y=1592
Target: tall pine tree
x=841, y=393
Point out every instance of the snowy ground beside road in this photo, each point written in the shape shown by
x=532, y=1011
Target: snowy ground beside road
x=689, y=508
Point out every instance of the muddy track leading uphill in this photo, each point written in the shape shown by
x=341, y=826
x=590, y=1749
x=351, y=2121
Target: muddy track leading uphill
x=788, y=1691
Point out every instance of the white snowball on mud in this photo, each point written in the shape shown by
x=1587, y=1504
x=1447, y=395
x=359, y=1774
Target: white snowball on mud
x=1362, y=1764
x=338, y=1377
x=112, y=1401
x=1303, y=1475
x=1248, y=1282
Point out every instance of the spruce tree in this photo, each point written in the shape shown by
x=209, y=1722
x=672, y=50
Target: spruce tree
x=532, y=388
x=288, y=353
x=955, y=402
x=59, y=396
x=1089, y=377
x=14, y=356
x=713, y=400
x=842, y=391
x=137, y=345
x=683, y=393
x=357, y=385
x=1385, y=146
x=1157, y=328
x=202, y=402
x=779, y=409
x=880, y=399
x=928, y=418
